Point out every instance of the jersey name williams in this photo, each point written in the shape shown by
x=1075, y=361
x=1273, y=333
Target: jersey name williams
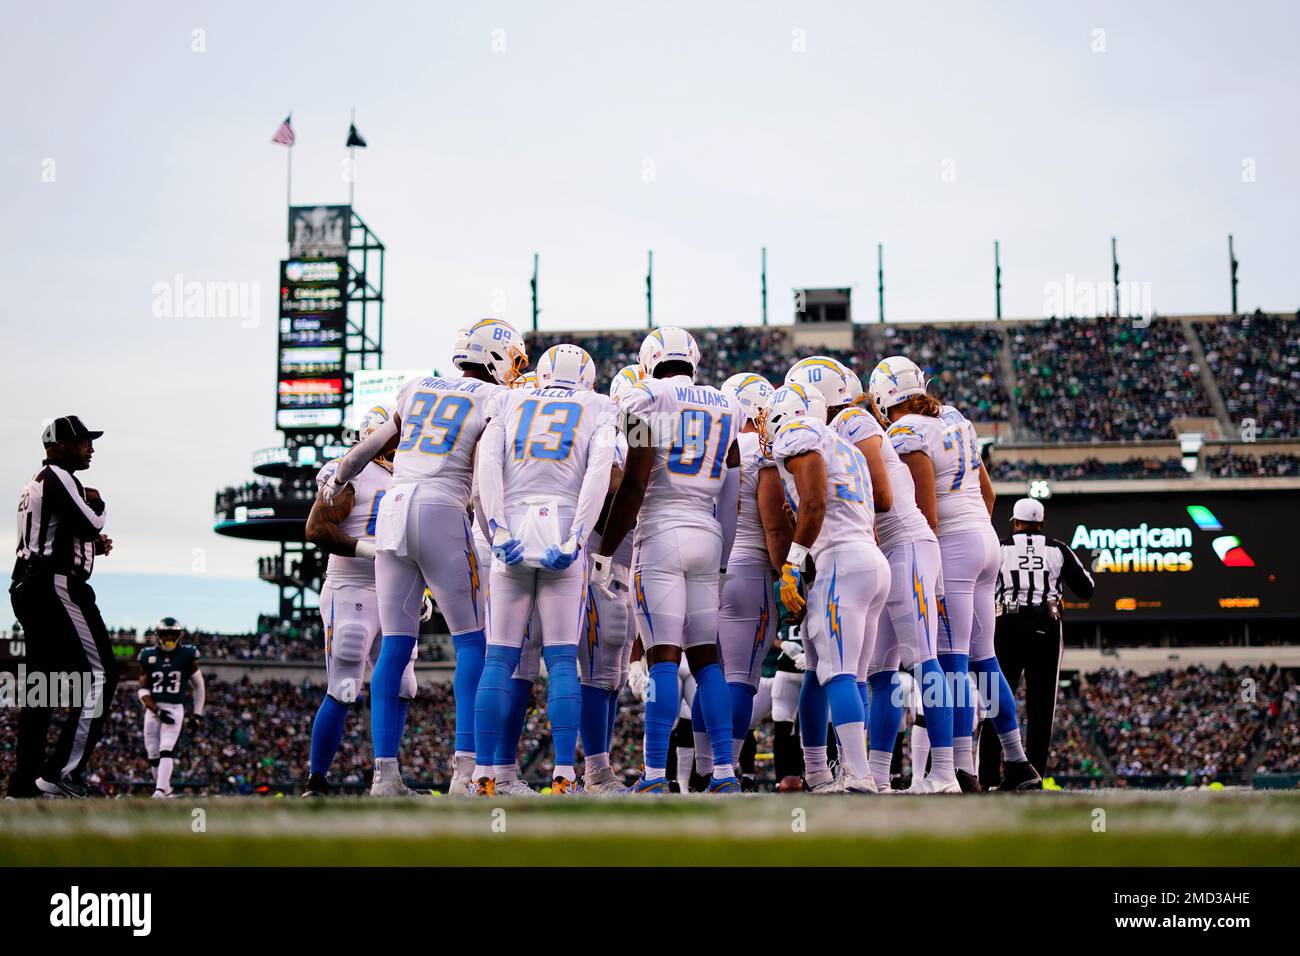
x=695, y=395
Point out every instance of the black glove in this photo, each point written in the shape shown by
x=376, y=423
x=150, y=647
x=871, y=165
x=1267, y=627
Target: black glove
x=195, y=722
x=164, y=716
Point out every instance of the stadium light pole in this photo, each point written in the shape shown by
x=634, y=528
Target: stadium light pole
x=1114, y=273
x=532, y=284
x=997, y=280
x=880, y=278
x=764, y=285
x=650, y=292
x=1232, y=268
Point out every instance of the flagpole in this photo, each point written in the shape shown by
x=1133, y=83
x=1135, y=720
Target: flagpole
x=288, y=187
x=352, y=164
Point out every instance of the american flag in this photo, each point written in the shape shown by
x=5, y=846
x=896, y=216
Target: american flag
x=284, y=135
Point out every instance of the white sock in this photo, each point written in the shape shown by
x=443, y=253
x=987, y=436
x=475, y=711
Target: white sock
x=598, y=762
x=1012, y=748
x=941, y=767
x=722, y=771
x=481, y=771
x=814, y=760
x=685, y=761
x=921, y=750
x=880, y=761
x=962, y=754
x=736, y=747
x=464, y=762
x=566, y=771
x=654, y=773
x=703, y=753
x=853, y=747
x=505, y=773
x=165, y=774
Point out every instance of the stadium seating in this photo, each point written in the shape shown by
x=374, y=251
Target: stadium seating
x=962, y=361
x=1256, y=365
x=1230, y=464
x=1089, y=469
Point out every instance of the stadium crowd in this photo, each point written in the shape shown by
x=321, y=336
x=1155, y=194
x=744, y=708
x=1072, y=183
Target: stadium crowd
x=1256, y=364
x=1227, y=464
x=962, y=362
x=1181, y=727
x=1089, y=469
x=1106, y=379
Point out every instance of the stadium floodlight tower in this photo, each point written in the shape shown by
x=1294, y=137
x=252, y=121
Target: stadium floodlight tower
x=331, y=326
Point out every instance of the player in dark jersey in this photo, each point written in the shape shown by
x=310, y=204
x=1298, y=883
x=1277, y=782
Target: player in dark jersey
x=166, y=670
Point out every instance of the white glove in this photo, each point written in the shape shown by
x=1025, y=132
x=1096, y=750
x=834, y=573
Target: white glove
x=938, y=583
x=801, y=661
x=602, y=566
x=638, y=678
x=791, y=648
x=330, y=490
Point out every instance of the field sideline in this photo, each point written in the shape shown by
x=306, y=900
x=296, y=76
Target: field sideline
x=1229, y=828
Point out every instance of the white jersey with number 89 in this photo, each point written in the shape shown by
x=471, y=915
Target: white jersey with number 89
x=442, y=419
x=693, y=427
x=949, y=441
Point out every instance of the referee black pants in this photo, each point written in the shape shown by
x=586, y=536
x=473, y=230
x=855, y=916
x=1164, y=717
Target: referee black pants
x=1028, y=644
x=64, y=634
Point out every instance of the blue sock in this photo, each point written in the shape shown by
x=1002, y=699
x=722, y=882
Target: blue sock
x=660, y=713
x=814, y=711
x=385, y=687
x=742, y=709
x=613, y=719
x=884, y=710
x=714, y=698
x=846, y=705
x=521, y=692
x=327, y=734
x=492, y=701
x=1002, y=703
x=594, y=724
x=563, y=700
x=471, y=648
x=955, y=667
x=936, y=701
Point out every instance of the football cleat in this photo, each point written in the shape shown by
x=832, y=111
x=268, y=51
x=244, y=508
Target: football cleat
x=922, y=785
x=650, y=786
x=969, y=782
x=163, y=795
x=852, y=784
x=316, y=786
x=564, y=787
x=827, y=782
x=723, y=785
x=516, y=788
x=462, y=774
x=67, y=787
x=485, y=787
x=1019, y=775
x=602, y=781
x=392, y=786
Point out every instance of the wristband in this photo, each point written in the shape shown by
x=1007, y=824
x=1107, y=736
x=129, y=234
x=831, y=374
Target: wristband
x=797, y=556
x=365, y=549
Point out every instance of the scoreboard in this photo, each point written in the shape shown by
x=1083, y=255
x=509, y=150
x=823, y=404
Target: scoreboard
x=313, y=336
x=1178, y=555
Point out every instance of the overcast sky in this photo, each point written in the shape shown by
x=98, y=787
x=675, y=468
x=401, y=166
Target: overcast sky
x=136, y=148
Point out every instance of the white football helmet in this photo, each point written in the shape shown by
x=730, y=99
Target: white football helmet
x=669, y=344
x=751, y=391
x=496, y=345
x=527, y=380
x=372, y=420
x=566, y=365
x=825, y=375
x=460, y=350
x=787, y=404
x=895, y=380
x=624, y=379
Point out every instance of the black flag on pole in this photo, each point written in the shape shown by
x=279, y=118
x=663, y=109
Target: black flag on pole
x=354, y=138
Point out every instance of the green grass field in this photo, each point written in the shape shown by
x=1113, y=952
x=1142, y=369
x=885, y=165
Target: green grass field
x=1140, y=829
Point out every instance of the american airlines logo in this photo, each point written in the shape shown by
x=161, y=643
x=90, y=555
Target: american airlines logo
x=1227, y=547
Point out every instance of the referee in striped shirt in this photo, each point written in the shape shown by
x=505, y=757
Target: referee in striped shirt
x=1029, y=639
x=60, y=531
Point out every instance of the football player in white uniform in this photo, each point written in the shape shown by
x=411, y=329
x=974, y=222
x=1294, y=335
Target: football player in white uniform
x=953, y=491
x=681, y=488
x=909, y=623
x=608, y=629
x=543, y=470
x=747, y=619
x=349, y=609
x=422, y=536
x=827, y=481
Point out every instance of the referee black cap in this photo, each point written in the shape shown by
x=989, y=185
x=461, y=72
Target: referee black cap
x=67, y=428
